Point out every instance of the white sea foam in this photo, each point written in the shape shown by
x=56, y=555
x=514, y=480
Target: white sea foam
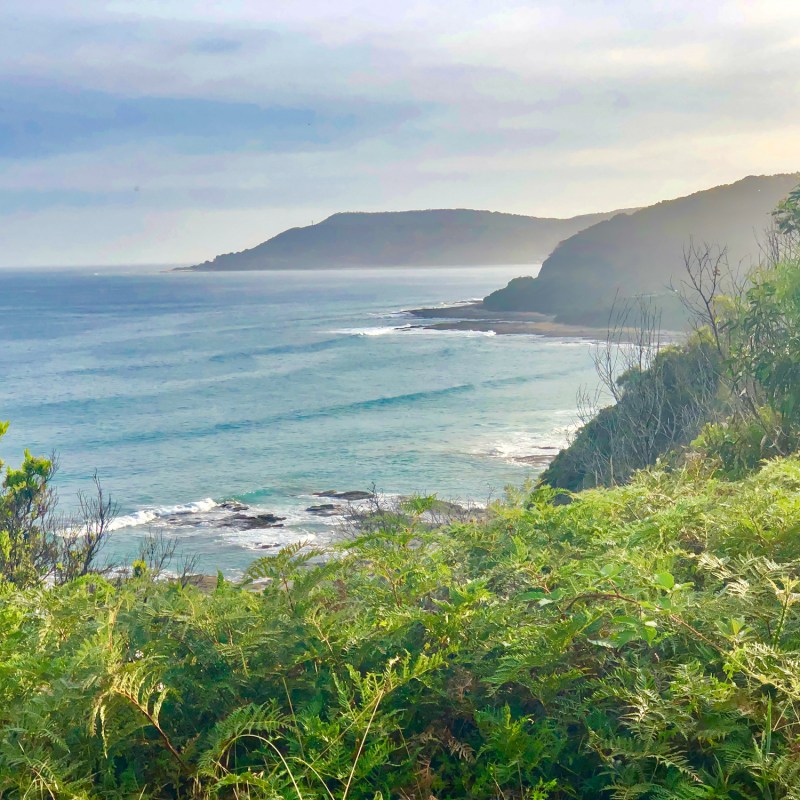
x=519, y=445
x=132, y=520
x=412, y=330
x=376, y=331
x=208, y=511
x=278, y=537
x=147, y=515
x=457, y=303
x=398, y=312
x=295, y=517
x=465, y=334
x=567, y=341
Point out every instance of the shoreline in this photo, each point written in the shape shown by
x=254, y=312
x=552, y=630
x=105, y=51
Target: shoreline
x=553, y=330
x=336, y=512
x=475, y=317
x=477, y=311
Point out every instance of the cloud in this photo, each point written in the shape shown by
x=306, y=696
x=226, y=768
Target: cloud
x=38, y=120
x=216, y=46
x=167, y=110
x=41, y=119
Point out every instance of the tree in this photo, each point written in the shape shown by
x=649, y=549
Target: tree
x=787, y=215
x=36, y=542
x=764, y=330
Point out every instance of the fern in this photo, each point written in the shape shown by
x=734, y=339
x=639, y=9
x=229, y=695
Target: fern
x=242, y=723
x=641, y=642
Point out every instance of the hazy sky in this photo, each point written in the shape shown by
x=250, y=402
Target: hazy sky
x=171, y=130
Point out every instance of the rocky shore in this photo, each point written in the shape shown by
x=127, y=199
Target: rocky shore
x=476, y=317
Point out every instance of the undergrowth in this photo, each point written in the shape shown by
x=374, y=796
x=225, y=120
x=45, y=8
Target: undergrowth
x=640, y=642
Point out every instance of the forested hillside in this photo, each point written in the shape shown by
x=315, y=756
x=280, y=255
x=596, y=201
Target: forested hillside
x=446, y=237
x=643, y=253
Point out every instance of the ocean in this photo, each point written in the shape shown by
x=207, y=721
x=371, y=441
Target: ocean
x=183, y=390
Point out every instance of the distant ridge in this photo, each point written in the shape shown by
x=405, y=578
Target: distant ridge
x=642, y=253
x=440, y=237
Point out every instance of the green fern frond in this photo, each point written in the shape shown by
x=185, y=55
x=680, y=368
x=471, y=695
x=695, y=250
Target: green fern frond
x=238, y=725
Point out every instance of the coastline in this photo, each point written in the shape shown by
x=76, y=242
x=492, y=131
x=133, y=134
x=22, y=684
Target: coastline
x=271, y=388
x=477, y=311
x=475, y=317
x=554, y=330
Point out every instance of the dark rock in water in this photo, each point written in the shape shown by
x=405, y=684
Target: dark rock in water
x=233, y=505
x=353, y=495
x=247, y=521
x=325, y=510
x=268, y=546
x=269, y=518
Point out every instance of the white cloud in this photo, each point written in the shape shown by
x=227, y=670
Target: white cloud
x=537, y=107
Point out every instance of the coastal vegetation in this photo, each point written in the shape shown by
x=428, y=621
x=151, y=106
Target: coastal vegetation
x=730, y=391
x=36, y=542
x=639, y=641
x=660, y=403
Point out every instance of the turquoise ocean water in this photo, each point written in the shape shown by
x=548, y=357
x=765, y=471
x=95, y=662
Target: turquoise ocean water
x=185, y=389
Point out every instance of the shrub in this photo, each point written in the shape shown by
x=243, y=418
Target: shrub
x=640, y=642
x=659, y=408
x=37, y=543
x=738, y=446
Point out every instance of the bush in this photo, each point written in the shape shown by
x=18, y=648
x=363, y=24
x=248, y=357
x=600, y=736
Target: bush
x=640, y=642
x=736, y=379
x=659, y=408
x=37, y=543
x=736, y=447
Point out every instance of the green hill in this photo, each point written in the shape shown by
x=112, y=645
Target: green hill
x=642, y=252
x=448, y=237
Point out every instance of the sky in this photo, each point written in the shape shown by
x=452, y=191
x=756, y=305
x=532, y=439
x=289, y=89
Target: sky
x=169, y=131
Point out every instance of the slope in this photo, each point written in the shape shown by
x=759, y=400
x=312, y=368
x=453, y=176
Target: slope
x=642, y=253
